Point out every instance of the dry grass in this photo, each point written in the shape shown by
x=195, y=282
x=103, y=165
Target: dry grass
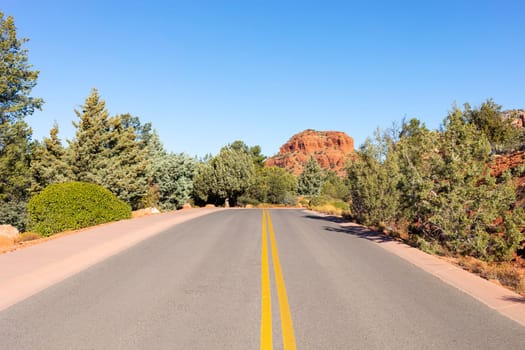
x=507, y=274
x=29, y=236
x=330, y=210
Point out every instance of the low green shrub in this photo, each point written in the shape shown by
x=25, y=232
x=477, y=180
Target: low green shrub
x=246, y=200
x=318, y=201
x=74, y=205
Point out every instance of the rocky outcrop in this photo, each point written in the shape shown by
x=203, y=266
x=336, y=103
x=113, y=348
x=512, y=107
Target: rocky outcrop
x=517, y=117
x=502, y=163
x=331, y=149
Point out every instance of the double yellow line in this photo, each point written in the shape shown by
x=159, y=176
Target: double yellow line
x=266, y=300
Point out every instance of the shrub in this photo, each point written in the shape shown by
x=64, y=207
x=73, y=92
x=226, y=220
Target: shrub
x=14, y=213
x=74, y=205
x=289, y=199
x=246, y=200
x=318, y=201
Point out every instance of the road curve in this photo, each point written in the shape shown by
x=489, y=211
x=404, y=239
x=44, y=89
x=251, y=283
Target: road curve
x=198, y=286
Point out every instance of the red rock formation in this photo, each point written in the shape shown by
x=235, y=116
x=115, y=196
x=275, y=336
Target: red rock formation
x=332, y=149
x=500, y=164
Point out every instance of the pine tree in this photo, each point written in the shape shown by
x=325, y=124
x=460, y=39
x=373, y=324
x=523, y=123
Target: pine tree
x=173, y=176
x=87, y=150
x=106, y=151
x=123, y=167
x=48, y=163
x=155, y=152
x=17, y=79
x=311, y=179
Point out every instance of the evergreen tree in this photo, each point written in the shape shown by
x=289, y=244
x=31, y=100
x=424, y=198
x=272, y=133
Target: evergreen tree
x=281, y=186
x=254, y=152
x=123, y=166
x=87, y=150
x=106, y=151
x=204, y=182
x=466, y=202
x=155, y=153
x=373, y=182
x=418, y=155
x=154, y=146
x=173, y=176
x=17, y=79
x=499, y=131
x=225, y=177
x=48, y=163
x=311, y=179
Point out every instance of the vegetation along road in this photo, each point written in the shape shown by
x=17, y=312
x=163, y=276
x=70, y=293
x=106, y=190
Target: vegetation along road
x=253, y=279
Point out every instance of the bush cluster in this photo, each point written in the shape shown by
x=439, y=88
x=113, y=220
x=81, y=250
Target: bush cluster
x=74, y=205
x=437, y=185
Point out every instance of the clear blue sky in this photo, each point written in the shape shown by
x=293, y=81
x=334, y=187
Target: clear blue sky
x=206, y=73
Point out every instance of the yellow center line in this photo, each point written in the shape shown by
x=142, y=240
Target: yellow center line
x=266, y=303
x=284, y=308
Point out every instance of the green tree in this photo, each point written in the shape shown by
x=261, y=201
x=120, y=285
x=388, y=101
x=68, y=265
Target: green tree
x=272, y=185
x=281, y=186
x=173, y=176
x=447, y=193
x=48, y=162
x=17, y=80
x=106, y=151
x=499, y=131
x=155, y=152
x=154, y=146
x=204, y=182
x=466, y=202
x=225, y=177
x=418, y=155
x=88, y=147
x=123, y=167
x=311, y=179
x=254, y=152
x=373, y=181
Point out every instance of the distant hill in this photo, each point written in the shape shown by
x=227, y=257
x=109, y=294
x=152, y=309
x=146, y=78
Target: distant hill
x=332, y=149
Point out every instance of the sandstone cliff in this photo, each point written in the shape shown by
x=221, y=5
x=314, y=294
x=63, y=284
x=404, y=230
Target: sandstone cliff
x=332, y=149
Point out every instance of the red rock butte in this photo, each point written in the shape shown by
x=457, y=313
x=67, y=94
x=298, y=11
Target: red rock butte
x=331, y=149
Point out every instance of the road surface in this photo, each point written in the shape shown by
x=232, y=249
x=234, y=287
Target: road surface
x=241, y=279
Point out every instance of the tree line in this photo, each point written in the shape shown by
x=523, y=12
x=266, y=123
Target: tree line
x=434, y=185
x=118, y=152
x=437, y=185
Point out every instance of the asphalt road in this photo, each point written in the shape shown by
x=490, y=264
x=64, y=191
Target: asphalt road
x=200, y=285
